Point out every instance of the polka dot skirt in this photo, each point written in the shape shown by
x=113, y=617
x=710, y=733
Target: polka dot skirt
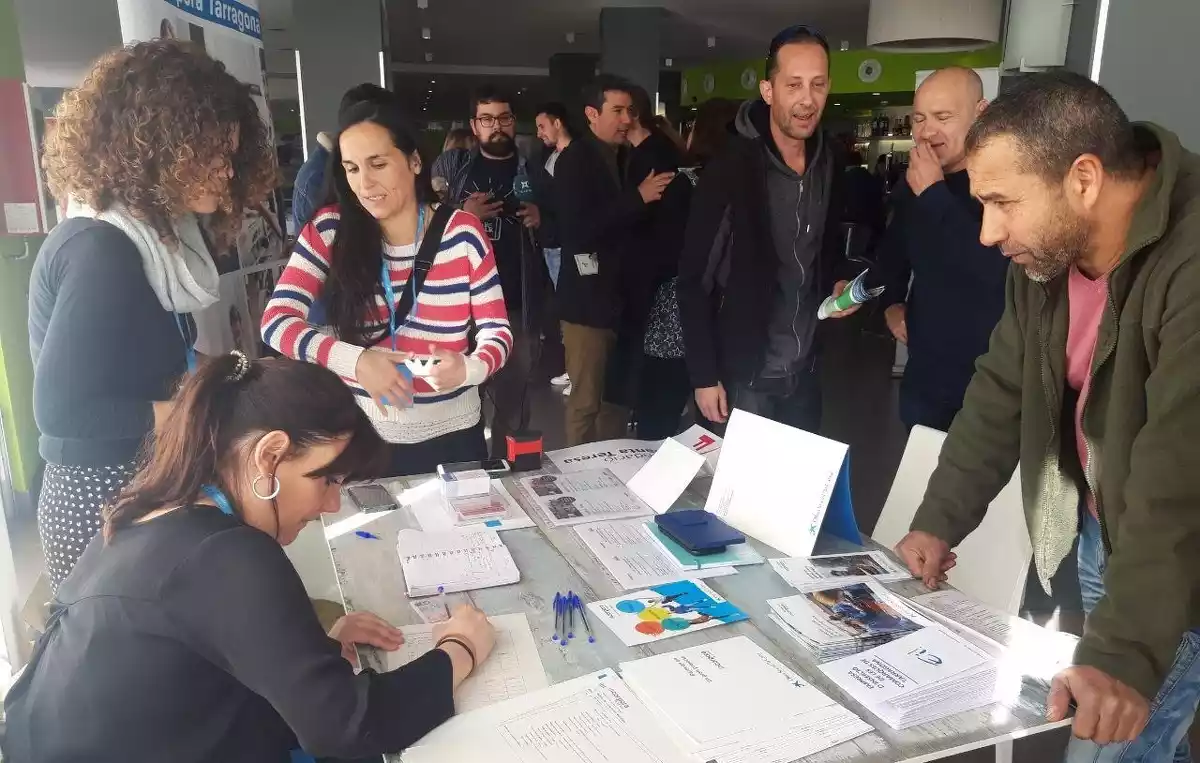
x=69, y=511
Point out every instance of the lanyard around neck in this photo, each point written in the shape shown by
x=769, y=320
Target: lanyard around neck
x=385, y=277
x=188, y=349
x=218, y=497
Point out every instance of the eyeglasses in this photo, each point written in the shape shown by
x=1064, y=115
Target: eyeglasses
x=489, y=121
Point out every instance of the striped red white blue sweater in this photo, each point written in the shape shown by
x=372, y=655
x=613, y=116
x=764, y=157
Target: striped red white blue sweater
x=462, y=285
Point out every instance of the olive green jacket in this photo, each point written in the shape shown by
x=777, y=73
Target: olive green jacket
x=1141, y=422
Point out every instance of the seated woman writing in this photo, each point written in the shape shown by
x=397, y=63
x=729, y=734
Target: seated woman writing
x=184, y=634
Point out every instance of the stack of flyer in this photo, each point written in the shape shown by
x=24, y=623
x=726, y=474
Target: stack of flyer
x=834, y=622
x=920, y=678
x=731, y=702
x=812, y=573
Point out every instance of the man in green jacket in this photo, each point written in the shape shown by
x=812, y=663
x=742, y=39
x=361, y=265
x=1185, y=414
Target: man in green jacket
x=1092, y=384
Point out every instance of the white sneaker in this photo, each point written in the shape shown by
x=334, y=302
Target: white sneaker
x=566, y=391
x=561, y=381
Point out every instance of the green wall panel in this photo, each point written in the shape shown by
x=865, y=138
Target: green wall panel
x=16, y=369
x=896, y=72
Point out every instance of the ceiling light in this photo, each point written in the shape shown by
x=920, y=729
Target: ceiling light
x=845, y=45
x=571, y=37
x=712, y=42
x=837, y=104
x=670, y=62
x=428, y=57
x=422, y=4
x=432, y=81
x=933, y=26
x=876, y=94
x=426, y=33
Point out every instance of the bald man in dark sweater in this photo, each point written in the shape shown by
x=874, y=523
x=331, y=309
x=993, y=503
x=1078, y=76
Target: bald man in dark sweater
x=957, y=285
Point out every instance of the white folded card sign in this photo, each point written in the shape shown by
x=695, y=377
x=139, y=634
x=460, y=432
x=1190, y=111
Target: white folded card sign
x=782, y=485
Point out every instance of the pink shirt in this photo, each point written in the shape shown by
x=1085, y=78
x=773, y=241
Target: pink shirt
x=1087, y=300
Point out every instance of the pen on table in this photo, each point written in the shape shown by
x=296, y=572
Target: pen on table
x=442, y=599
x=557, y=605
x=583, y=616
x=562, y=630
x=571, y=614
x=367, y=535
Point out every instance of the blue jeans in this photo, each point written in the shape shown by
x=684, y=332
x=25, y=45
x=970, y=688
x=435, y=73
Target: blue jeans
x=1171, y=713
x=553, y=263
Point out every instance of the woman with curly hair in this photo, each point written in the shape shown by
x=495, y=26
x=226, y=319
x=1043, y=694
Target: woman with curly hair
x=158, y=137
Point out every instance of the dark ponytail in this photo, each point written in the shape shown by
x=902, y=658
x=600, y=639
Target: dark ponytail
x=228, y=401
x=356, y=254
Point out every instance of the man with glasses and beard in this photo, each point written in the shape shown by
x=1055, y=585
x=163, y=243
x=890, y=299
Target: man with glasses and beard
x=484, y=186
x=1090, y=384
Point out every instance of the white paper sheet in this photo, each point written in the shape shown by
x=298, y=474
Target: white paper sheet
x=591, y=496
x=434, y=515
x=812, y=573
x=634, y=559
x=593, y=719
x=666, y=475
x=513, y=668
x=774, y=481
x=924, y=673
x=727, y=696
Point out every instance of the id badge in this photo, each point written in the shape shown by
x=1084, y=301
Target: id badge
x=587, y=264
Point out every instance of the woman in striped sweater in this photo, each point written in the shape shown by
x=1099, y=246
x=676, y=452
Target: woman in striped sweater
x=357, y=257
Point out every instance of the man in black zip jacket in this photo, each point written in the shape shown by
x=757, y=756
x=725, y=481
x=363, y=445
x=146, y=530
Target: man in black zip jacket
x=957, y=284
x=762, y=247
x=595, y=215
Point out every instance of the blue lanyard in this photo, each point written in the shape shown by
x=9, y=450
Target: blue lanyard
x=187, y=346
x=385, y=277
x=219, y=498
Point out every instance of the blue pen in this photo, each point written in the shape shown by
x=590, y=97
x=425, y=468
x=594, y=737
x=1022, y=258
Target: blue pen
x=583, y=616
x=557, y=603
x=367, y=535
x=571, y=614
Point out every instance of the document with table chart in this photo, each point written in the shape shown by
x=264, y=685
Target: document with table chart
x=513, y=668
x=454, y=561
x=731, y=702
x=592, y=719
x=919, y=678
x=591, y=496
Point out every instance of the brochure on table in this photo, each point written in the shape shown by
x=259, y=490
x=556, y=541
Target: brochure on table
x=513, y=668
x=782, y=485
x=625, y=457
x=813, y=573
x=922, y=677
x=590, y=496
x=634, y=559
x=729, y=701
x=663, y=611
x=592, y=719
x=834, y=622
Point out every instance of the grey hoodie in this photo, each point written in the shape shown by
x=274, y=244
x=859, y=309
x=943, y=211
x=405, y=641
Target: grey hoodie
x=798, y=206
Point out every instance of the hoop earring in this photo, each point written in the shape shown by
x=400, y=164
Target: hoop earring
x=274, y=492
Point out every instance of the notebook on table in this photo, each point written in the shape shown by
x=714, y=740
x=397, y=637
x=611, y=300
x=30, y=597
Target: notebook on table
x=454, y=561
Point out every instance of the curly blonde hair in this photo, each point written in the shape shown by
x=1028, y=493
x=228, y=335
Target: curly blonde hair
x=152, y=126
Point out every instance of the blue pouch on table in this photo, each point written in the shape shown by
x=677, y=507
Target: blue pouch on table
x=698, y=531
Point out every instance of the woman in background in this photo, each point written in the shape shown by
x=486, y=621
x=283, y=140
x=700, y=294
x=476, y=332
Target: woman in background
x=157, y=135
x=184, y=634
x=456, y=149
x=357, y=257
x=665, y=387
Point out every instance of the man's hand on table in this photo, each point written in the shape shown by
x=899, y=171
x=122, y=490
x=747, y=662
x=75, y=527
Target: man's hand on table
x=1106, y=710
x=365, y=628
x=928, y=557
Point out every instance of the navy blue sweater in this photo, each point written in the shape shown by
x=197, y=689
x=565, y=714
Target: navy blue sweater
x=957, y=292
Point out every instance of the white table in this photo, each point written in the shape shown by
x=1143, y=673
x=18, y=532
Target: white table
x=555, y=559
